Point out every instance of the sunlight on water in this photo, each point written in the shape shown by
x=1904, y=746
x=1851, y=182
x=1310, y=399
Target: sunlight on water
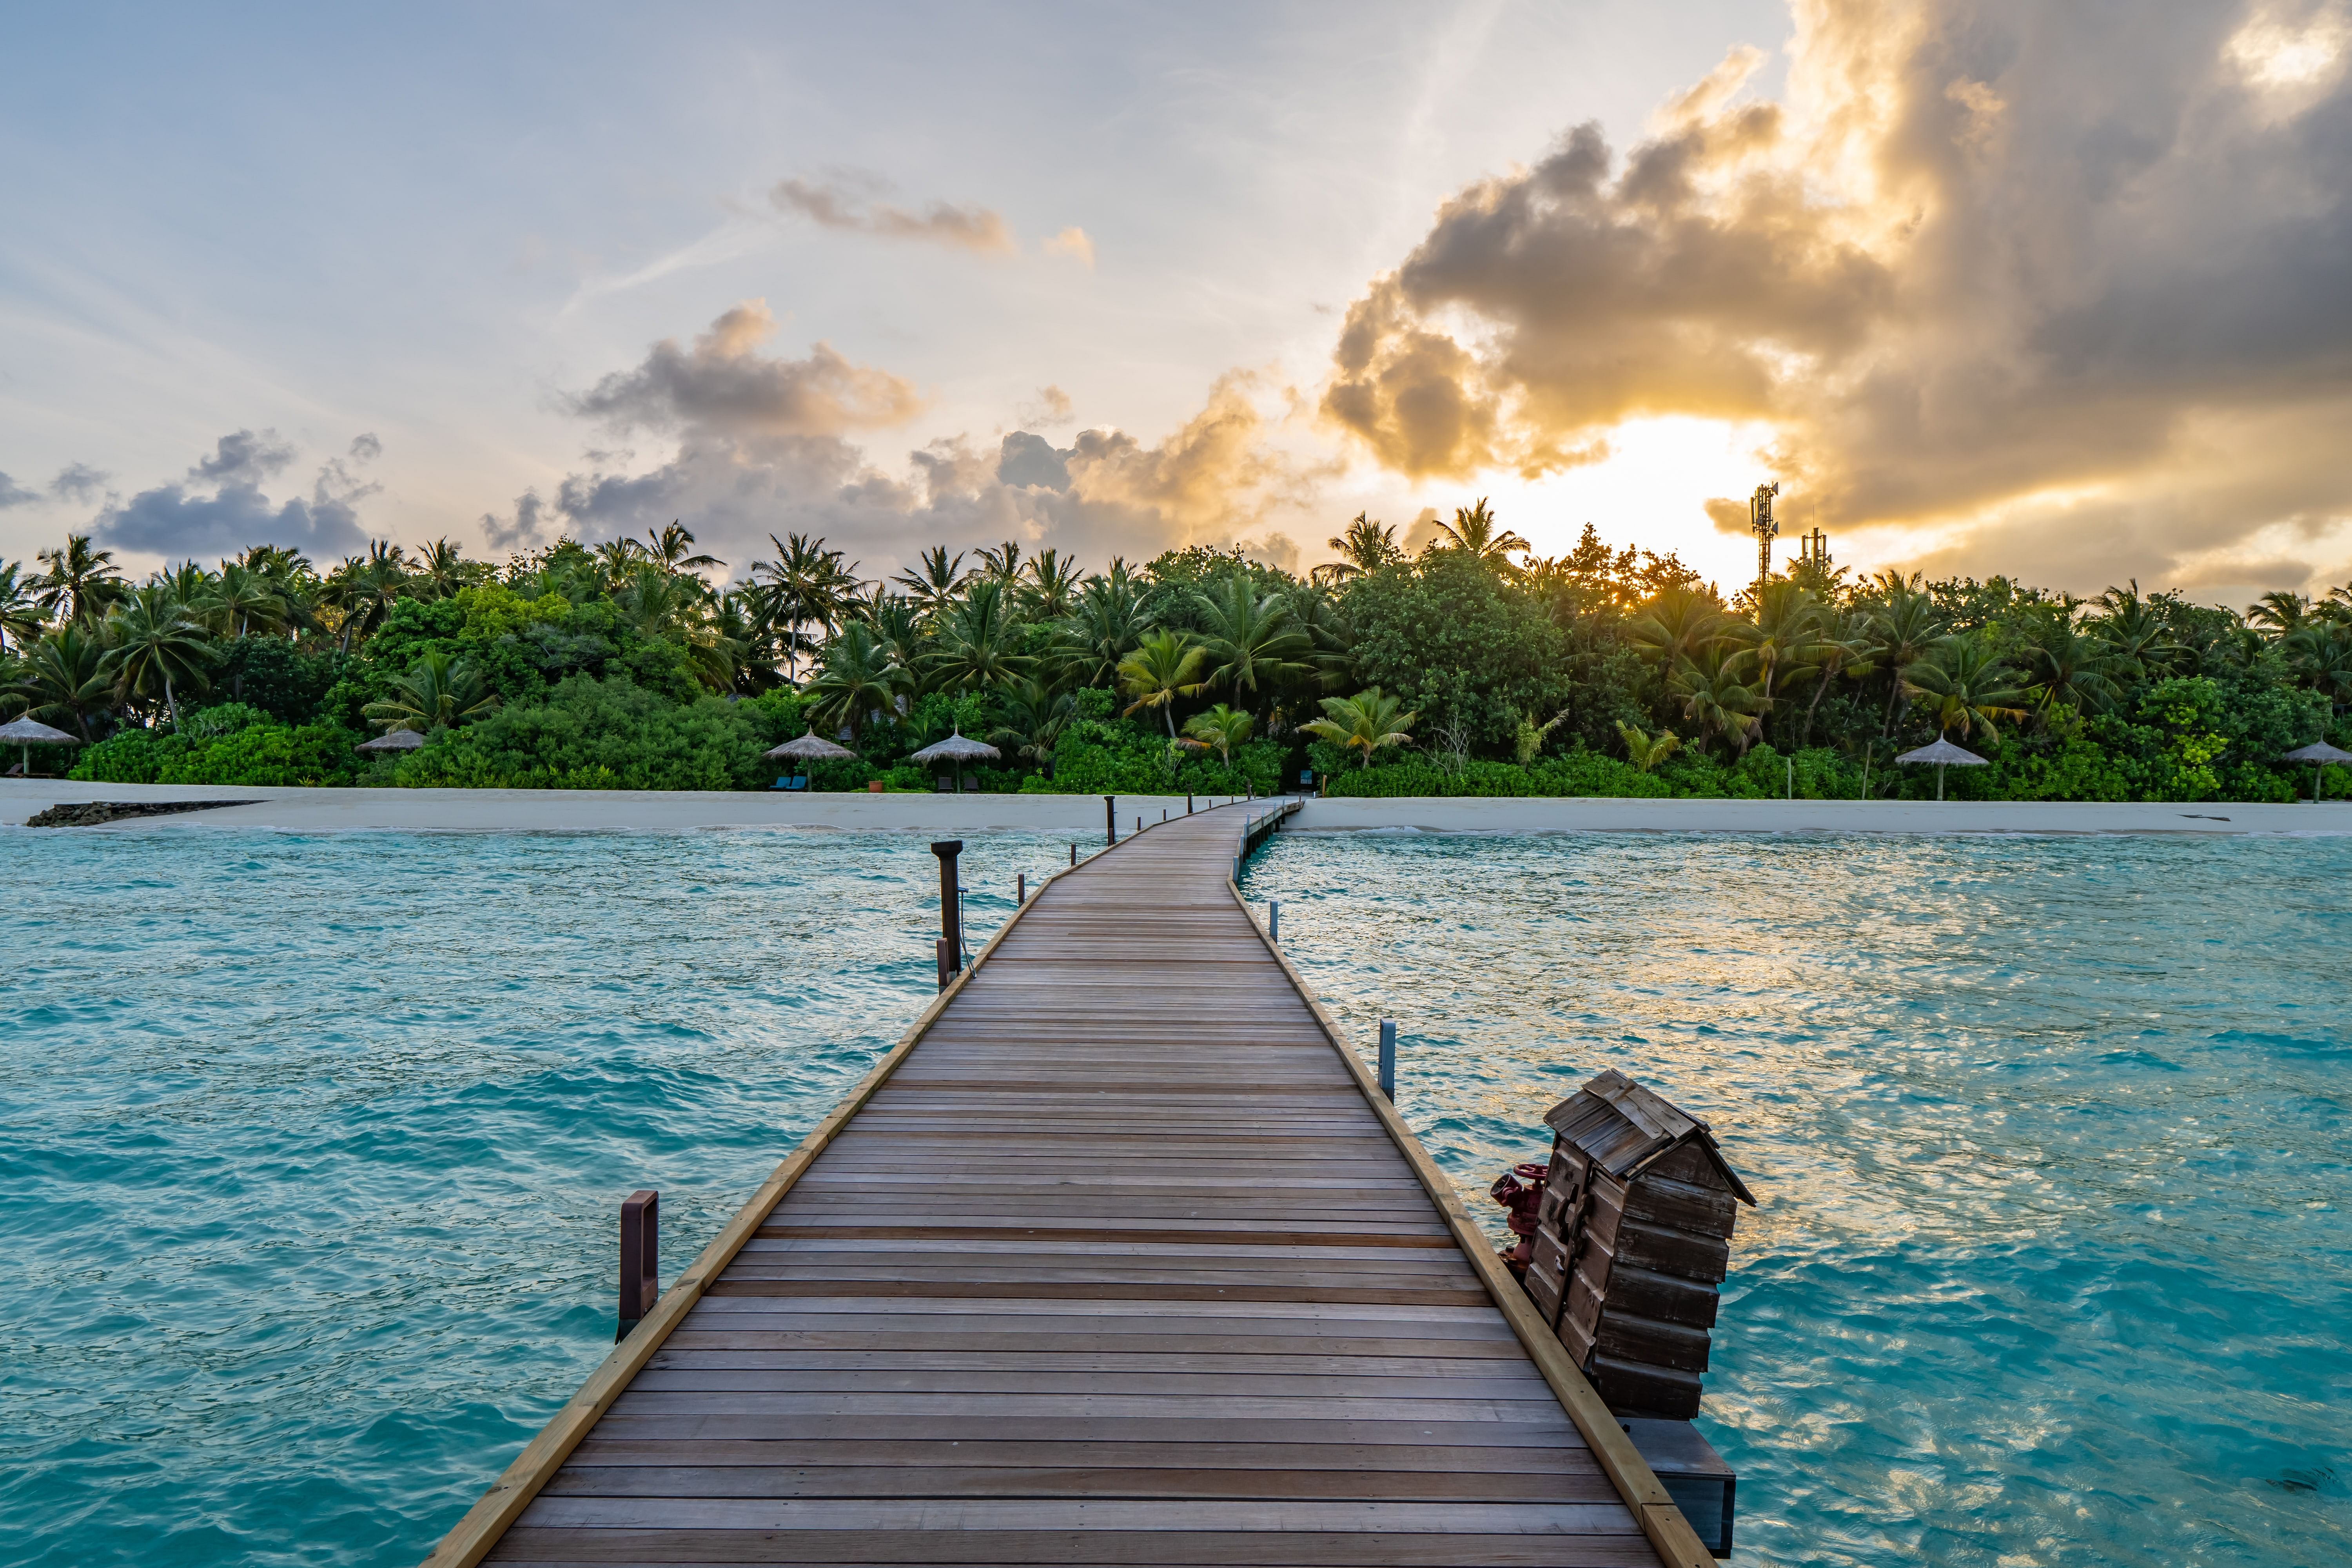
x=2053, y=1263
x=314, y=1146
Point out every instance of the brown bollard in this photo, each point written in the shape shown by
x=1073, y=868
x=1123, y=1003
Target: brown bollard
x=640, y=1258
x=951, y=910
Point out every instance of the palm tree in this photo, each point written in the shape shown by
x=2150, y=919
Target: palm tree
x=2320, y=654
x=1717, y=698
x=1051, y=587
x=855, y=676
x=438, y=690
x=1906, y=626
x=365, y=589
x=616, y=559
x=1645, y=750
x=934, y=581
x=978, y=643
x=191, y=585
x=65, y=678
x=21, y=616
x=81, y=583
x=442, y=570
x=676, y=609
x=1220, y=729
x=1473, y=533
x=805, y=585
x=667, y=549
x=1364, y=548
x=899, y=624
x=1968, y=684
x=1250, y=635
x=2072, y=668
x=243, y=599
x=155, y=644
x=1843, y=648
x=1677, y=624
x=2135, y=631
x=1165, y=665
x=1107, y=624
x=1034, y=715
x=2279, y=613
x=1785, y=634
x=1365, y=723
x=1002, y=564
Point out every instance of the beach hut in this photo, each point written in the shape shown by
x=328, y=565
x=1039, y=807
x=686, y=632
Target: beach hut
x=2319, y=755
x=397, y=740
x=1632, y=1236
x=810, y=747
x=27, y=734
x=956, y=751
x=1944, y=754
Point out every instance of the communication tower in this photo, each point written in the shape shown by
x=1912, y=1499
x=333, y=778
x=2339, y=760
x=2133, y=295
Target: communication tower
x=1760, y=524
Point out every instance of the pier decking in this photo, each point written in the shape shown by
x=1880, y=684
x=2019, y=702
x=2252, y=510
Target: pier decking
x=1115, y=1259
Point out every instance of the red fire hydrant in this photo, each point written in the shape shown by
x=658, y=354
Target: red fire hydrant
x=1520, y=1192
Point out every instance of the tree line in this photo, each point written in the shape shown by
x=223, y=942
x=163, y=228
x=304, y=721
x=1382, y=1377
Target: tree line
x=1473, y=666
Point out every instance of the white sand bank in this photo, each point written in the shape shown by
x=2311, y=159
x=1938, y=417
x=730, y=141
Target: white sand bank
x=1813, y=816
x=1081, y=816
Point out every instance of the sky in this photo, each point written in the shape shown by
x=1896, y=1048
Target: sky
x=1987, y=286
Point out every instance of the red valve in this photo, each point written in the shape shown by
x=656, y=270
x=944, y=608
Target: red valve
x=1520, y=1192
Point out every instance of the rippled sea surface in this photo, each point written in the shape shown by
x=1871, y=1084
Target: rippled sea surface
x=312, y=1146
x=2053, y=1263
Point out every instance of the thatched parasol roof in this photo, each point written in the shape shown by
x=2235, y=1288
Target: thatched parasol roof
x=1943, y=751
x=956, y=748
x=32, y=732
x=810, y=747
x=2319, y=751
x=397, y=740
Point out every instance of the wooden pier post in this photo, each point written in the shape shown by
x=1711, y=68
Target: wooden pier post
x=1388, y=1060
x=1110, y=819
x=951, y=910
x=1273, y=919
x=640, y=1258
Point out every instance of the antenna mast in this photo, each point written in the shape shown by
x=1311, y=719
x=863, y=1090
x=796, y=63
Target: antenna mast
x=1760, y=524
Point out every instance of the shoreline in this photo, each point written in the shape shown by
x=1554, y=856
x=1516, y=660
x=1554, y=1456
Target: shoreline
x=619, y=811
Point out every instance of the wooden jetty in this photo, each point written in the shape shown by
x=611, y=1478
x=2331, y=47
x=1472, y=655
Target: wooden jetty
x=1117, y=1257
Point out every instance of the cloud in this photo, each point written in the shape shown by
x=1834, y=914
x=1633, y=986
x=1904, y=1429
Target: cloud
x=244, y=459
x=2026, y=276
x=764, y=445
x=1073, y=243
x=78, y=482
x=14, y=494
x=840, y=203
x=177, y=522
x=1050, y=407
x=723, y=385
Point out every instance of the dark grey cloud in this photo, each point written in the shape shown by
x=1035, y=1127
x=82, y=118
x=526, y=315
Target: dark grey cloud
x=78, y=482
x=1991, y=261
x=1027, y=459
x=847, y=201
x=14, y=494
x=724, y=384
x=244, y=459
x=221, y=510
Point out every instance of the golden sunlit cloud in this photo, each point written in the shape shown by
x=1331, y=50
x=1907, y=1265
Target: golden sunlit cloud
x=1979, y=280
x=1073, y=243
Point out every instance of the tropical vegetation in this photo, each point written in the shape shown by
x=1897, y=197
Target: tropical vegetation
x=1473, y=666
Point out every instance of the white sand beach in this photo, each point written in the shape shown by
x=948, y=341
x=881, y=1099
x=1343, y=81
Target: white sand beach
x=584, y=811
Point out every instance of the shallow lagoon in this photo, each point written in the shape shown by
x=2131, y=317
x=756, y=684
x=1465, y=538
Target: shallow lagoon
x=2053, y=1263
x=314, y=1145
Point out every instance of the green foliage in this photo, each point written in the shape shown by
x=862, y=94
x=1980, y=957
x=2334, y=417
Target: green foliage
x=601, y=735
x=230, y=745
x=1455, y=643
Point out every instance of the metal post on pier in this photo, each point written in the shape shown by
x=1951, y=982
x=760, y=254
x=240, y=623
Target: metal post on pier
x=1110, y=818
x=640, y=1258
x=1139, y=822
x=1021, y=887
x=950, y=911
x=1074, y=854
x=1188, y=806
x=1388, y=1059
x=1273, y=919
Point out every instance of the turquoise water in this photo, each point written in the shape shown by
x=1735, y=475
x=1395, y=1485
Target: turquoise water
x=2053, y=1263
x=312, y=1146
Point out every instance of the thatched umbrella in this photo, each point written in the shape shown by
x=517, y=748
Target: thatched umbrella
x=2319, y=755
x=956, y=751
x=397, y=740
x=1943, y=753
x=810, y=747
x=30, y=732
